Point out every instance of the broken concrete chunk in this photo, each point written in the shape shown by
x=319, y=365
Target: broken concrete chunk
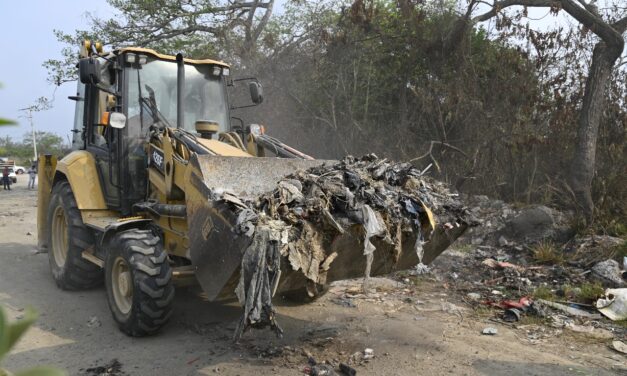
x=609, y=274
x=532, y=224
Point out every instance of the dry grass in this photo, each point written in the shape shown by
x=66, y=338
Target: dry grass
x=547, y=253
x=544, y=292
x=590, y=292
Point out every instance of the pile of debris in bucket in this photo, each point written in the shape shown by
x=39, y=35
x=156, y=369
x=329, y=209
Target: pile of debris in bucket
x=301, y=216
x=527, y=265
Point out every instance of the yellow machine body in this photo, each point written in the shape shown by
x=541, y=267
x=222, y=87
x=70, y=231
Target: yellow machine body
x=182, y=173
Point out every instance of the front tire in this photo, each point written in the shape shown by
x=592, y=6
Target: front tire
x=67, y=239
x=138, y=281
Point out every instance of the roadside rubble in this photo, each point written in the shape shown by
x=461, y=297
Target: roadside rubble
x=535, y=274
x=299, y=218
x=113, y=368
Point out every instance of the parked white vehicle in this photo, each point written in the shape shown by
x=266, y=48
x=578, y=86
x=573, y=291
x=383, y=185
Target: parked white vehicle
x=20, y=170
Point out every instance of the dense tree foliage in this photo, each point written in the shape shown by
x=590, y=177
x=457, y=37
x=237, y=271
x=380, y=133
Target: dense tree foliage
x=22, y=151
x=494, y=109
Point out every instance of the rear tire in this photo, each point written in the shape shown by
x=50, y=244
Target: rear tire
x=138, y=279
x=67, y=239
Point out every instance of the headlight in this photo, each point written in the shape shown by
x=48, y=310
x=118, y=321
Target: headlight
x=257, y=129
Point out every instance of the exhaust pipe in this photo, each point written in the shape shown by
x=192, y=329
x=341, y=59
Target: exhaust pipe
x=180, y=86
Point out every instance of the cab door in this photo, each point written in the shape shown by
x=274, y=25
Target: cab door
x=103, y=143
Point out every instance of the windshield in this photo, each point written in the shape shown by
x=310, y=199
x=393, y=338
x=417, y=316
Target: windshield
x=204, y=97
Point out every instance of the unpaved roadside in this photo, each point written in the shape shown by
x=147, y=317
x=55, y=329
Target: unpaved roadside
x=412, y=329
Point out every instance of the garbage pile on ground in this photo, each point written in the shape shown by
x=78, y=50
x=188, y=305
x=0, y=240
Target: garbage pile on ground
x=502, y=224
x=520, y=263
x=308, y=208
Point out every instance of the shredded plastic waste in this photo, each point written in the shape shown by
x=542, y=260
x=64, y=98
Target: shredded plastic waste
x=308, y=208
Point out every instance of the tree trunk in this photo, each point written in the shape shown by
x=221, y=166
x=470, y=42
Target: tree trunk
x=583, y=163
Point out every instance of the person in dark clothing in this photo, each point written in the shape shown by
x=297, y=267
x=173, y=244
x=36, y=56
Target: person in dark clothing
x=6, y=179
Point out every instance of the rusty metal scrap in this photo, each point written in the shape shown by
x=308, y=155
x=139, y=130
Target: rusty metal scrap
x=309, y=207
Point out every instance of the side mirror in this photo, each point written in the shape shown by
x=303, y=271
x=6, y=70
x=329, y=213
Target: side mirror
x=89, y=70
x=256, y=92
x=117, y=120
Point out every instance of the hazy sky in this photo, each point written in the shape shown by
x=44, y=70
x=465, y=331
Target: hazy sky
x=27, y=40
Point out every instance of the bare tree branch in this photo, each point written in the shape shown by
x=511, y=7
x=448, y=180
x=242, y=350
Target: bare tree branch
x=590, y=20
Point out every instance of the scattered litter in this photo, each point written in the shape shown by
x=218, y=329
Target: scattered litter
x=512, y=315
x=94, y=322
x=320, y=370
x=522, y=304
x=589, y=331
x=113, y=368
x=614, y=304
x=494, y=264
x=368, y=353
x=451, y=308
x=489, y=331
x=503, y=241
x=357, y=357
x=620, y=346
x=570, y=310
x=473, y=296
x=420, y=269
x=347, y=370
x=344, y=302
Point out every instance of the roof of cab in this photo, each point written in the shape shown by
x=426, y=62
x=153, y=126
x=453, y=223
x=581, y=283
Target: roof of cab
x=154, y=53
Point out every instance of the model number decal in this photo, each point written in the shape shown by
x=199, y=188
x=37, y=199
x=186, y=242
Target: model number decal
x=156, y=159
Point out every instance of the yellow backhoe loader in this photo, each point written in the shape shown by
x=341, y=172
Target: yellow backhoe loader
x=134, y=203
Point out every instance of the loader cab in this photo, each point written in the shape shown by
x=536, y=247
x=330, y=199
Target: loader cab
x=142, y=85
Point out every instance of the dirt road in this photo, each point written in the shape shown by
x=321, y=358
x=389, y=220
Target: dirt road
x=413, y=328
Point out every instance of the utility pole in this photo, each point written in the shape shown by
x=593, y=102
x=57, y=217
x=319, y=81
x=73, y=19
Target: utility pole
x=42, y=104
x=29, y=116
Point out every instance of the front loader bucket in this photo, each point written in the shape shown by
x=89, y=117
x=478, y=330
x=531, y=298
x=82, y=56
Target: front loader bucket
x=216, y=249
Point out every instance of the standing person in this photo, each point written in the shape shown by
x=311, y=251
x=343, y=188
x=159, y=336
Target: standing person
x=32, y=173
x=6, y=179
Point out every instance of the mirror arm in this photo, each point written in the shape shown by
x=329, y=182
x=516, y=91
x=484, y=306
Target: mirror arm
x=117, y=94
